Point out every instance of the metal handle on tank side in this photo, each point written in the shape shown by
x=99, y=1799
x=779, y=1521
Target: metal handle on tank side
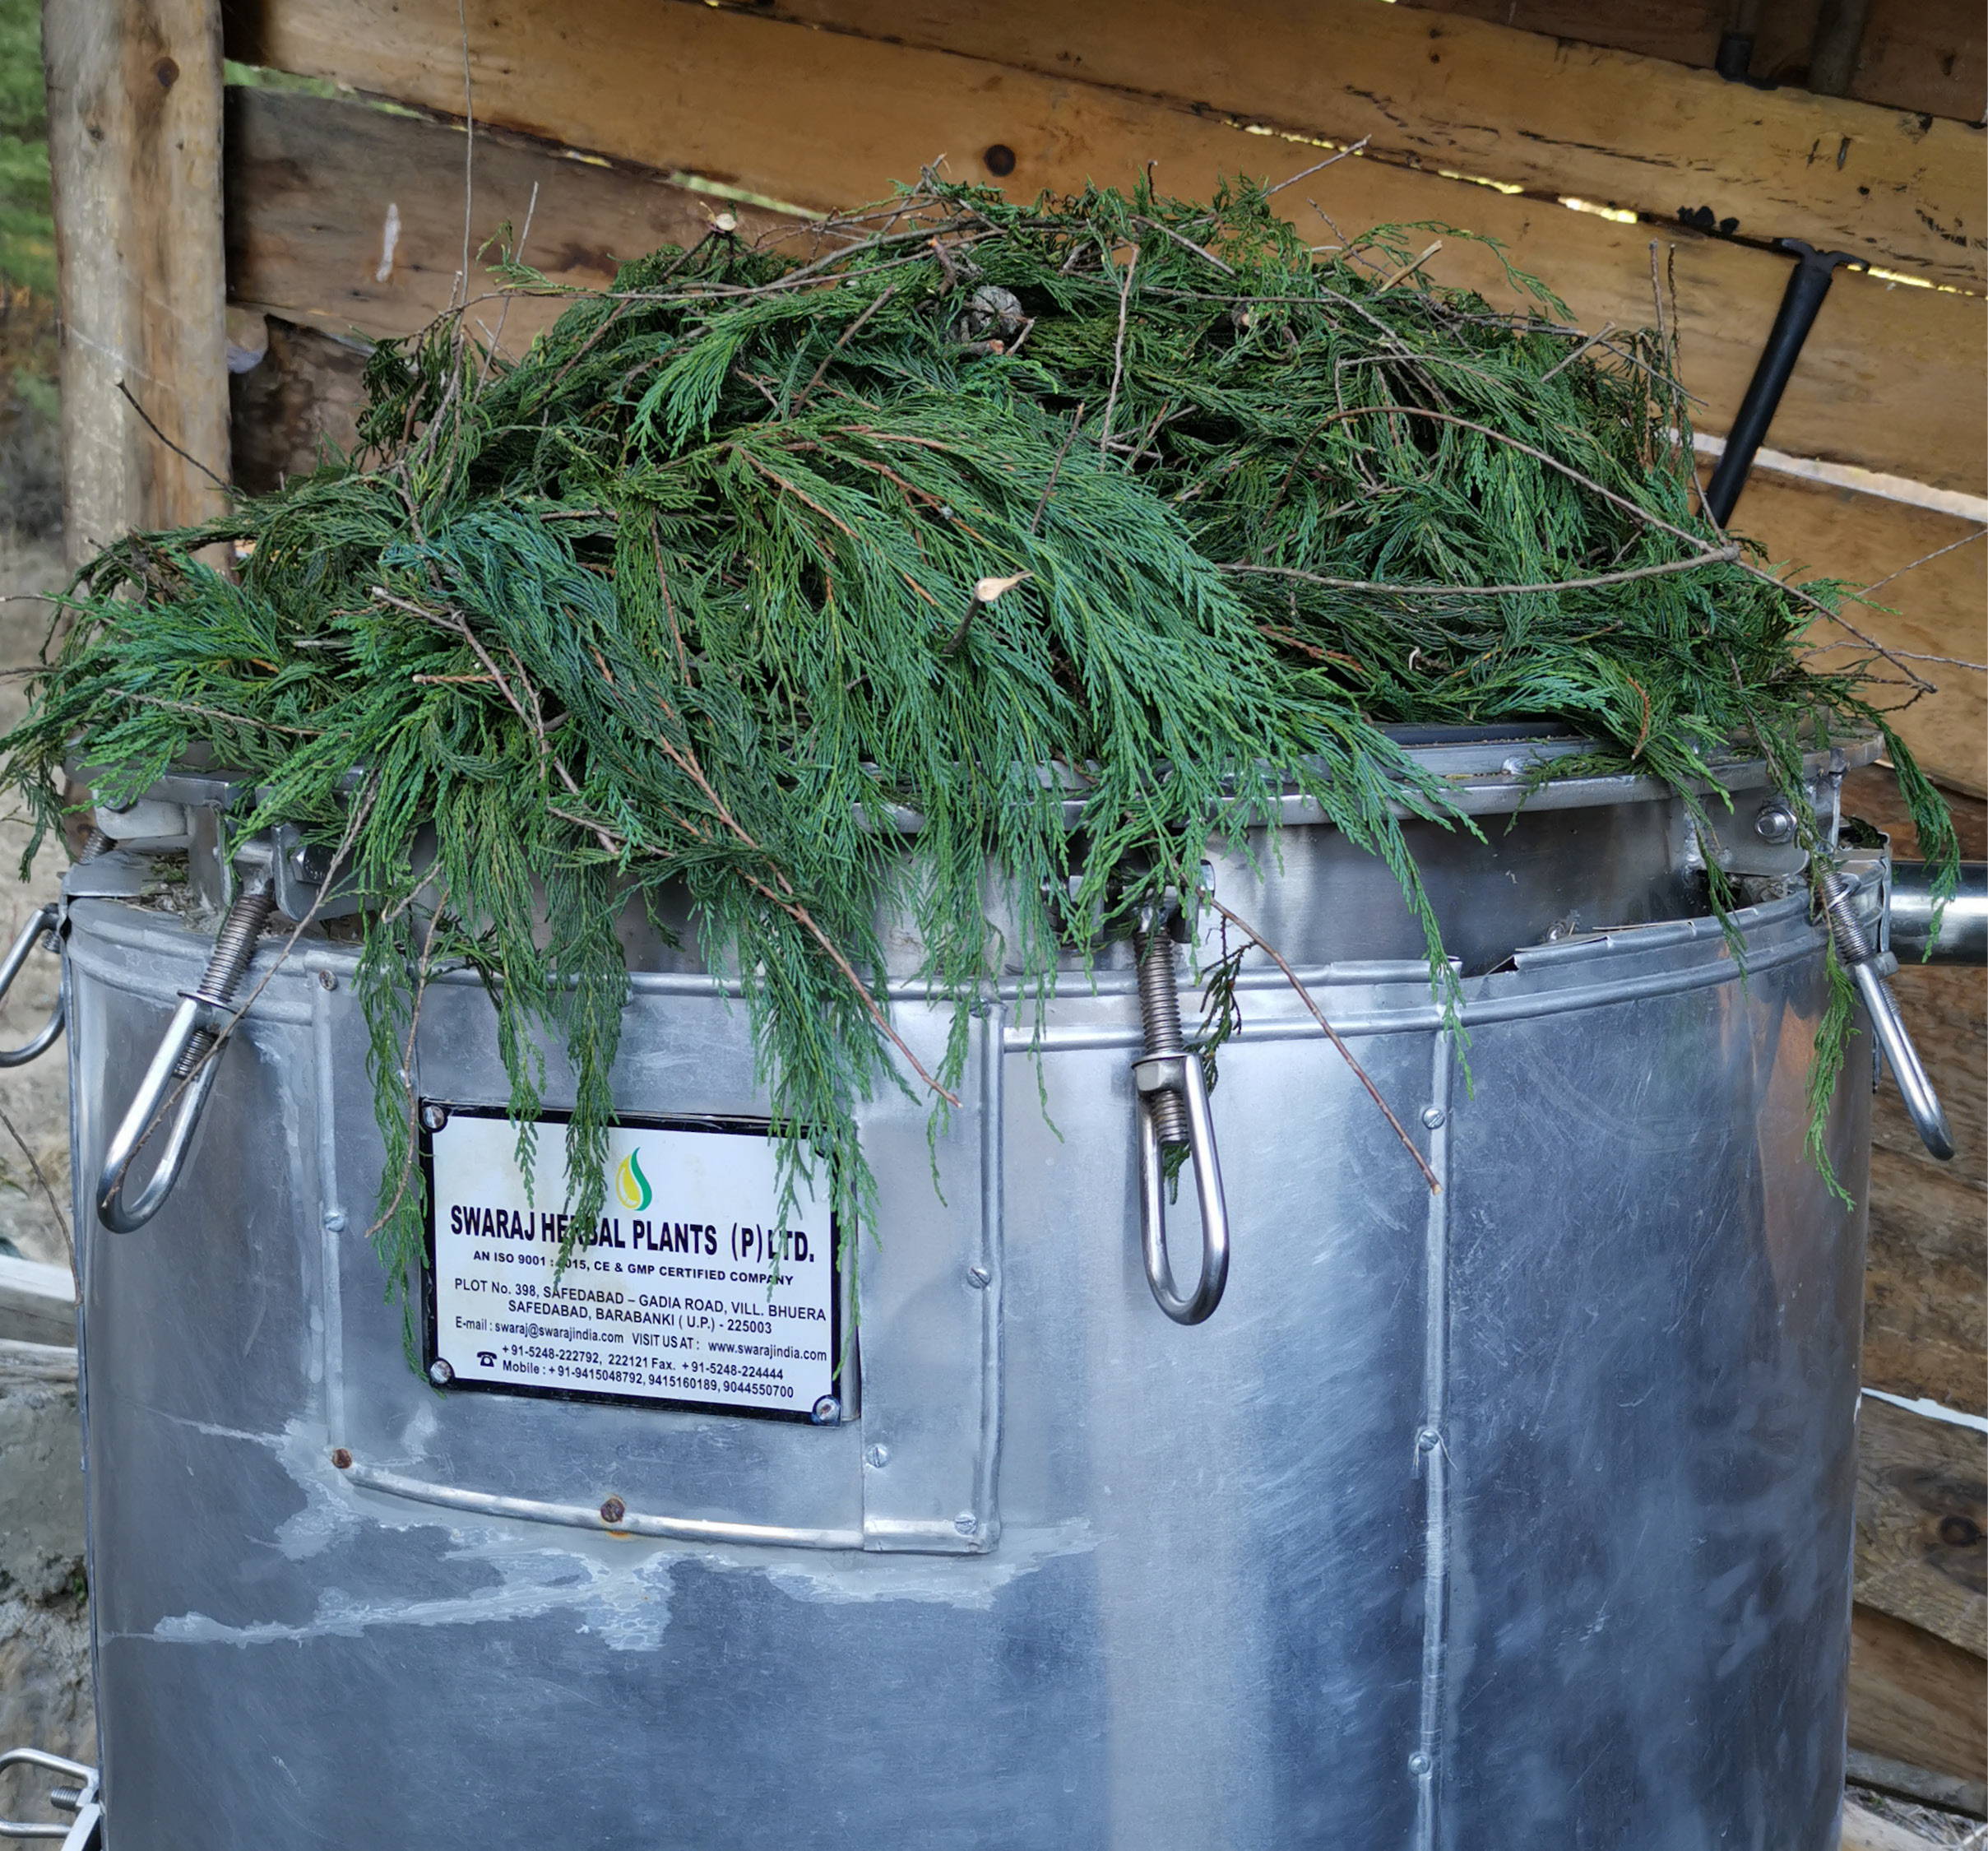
x=1868, y=969
x=187, y=1055
x=1962, y=934
x=1173, y=1108
x=43, y=921
x=85, y=1832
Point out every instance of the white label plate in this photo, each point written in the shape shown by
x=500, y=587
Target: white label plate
x=674, y=1300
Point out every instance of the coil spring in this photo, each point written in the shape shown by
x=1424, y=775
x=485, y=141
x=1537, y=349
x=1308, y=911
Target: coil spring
x=234, y=946
x=1159, y=1010
x=1852, y=945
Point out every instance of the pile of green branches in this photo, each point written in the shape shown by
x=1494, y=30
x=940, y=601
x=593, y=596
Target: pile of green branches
x=981, y=506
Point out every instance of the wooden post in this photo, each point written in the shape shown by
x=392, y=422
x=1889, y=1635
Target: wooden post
x=135, y=148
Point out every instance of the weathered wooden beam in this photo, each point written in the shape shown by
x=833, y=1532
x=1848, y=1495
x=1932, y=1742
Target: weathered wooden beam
x=350, y=219
x=1916, y=1697
x=1922, y=1522
x=1924, y=56
x=37, y=1302
x=1890, y=379
x=135, y=148
x=1439, y=93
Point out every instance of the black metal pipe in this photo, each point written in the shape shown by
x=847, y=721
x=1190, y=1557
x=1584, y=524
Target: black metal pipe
x=1800, y=303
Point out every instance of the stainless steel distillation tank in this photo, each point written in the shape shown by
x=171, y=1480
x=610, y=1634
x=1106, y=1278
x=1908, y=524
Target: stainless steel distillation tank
x=1516, y=1514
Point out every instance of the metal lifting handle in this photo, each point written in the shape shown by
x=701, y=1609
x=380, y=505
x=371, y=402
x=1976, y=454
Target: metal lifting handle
x=184, y=1056
x=1868, y=971
x=1174, y=1110
x=84, y=1834
x=37, y=927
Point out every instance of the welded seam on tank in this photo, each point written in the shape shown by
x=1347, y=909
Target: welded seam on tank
x=987, y=1469
x=331, y=1217
x=580, y=1516
x=1432, y=1459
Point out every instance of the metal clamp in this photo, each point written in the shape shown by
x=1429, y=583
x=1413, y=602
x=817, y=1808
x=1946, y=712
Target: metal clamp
x=185, y=1056
x=37, y=927
x=1174, y=1110
x=85, y=1832
x=1868, y=970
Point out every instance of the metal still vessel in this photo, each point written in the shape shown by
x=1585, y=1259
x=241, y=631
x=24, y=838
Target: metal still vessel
x=1513, y=1514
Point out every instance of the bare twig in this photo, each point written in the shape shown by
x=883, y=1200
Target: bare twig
x=1049, y=487
x=1924, y=558
x=62, y=1221
x=849, y=334
x=1723, y=556
x=1596, y=339
x=1410, y=268
x=1188, y=244
x=215, y=713
x=517, y=256
x=1118, y=351
x=1305, y=173
x=185, y=456
x=1629, y=506
x=1304, y=996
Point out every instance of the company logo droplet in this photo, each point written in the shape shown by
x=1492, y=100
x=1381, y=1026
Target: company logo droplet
x=631, y=1184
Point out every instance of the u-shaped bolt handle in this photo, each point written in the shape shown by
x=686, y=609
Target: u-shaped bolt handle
x=1173, y=1108
x=1169, y=1071
x=1868, y=971
x=117, y=1213
x=188, y=1054
x=43, y=921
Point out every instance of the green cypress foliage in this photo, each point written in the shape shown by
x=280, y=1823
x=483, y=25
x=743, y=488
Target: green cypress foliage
x=989, y=504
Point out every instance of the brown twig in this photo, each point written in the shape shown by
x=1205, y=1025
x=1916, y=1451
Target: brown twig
x=184, y=455
x=233, y=719
x=849, y=334
x=1049, y=487
x=1188, y=244
x=62, y=1221
x=1598, y=338
x=1330, y=160
x=1632, y=509
x=1118, y=351
x=1924, y=558
x=1723, y=556
x=1304, y=996
x=1410, y=268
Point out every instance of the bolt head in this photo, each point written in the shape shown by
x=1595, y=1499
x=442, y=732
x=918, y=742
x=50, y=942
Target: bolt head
x=1775, y=824
x=827, y=1411
x=612, y=1510
x=877, y=1457
x=328, y=980
x=978, y=1278
x=1419, y=1763
x=966, y=1523
x=335, y=1221
x=341, y=1456
x=1428, y=1440
x=441, y=1372
x=435, y=1117
x=1435, y=1117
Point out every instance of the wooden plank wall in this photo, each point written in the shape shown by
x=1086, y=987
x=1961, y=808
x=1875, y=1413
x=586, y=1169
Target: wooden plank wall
x=631, y=122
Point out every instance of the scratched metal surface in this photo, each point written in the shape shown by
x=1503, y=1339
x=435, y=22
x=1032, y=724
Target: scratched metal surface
x=1515, y=1516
